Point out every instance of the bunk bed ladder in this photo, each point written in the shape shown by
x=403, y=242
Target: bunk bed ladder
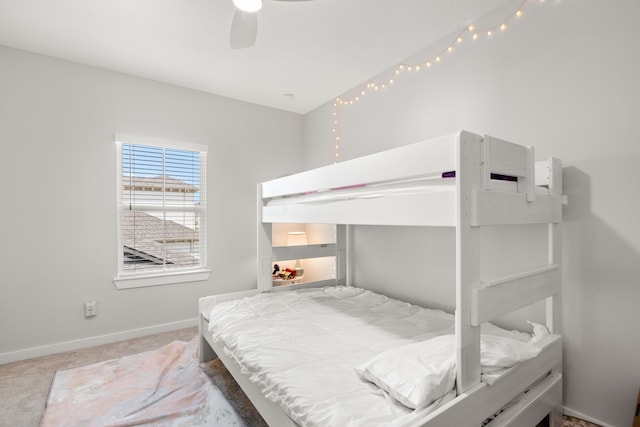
x=478, y=205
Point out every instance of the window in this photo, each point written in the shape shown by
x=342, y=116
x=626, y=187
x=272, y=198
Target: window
x=161, y=213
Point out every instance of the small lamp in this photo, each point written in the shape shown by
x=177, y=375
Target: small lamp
x=297, y=238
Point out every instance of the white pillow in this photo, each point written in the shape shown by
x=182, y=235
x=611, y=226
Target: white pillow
x=419, y=373
x=503, y=352
x=415, y=374
x=539, y=332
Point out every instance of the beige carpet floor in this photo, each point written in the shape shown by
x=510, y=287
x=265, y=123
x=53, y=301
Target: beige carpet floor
x=24, y=385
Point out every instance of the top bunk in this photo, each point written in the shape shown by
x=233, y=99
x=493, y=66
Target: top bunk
x=430, y=183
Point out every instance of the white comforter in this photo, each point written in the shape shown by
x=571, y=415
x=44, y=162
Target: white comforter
x=301, y=348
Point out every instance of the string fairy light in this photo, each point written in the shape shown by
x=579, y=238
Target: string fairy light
x=470, y=32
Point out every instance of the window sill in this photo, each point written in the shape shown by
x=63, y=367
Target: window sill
x=161, y=279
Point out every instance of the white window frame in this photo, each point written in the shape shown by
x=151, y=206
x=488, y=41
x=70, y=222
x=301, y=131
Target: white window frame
x=127, y=280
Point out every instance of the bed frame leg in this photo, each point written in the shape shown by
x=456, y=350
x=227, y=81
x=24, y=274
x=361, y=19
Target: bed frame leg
x=206, y=353
x=555, y=418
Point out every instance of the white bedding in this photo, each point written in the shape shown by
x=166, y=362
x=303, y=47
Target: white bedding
x=301, y=348
x=409, y=187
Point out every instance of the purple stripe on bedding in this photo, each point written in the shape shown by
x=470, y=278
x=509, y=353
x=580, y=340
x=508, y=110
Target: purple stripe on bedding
x=498, y=176
x=348, y=187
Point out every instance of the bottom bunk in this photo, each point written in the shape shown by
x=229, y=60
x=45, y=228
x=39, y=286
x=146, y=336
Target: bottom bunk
x=345, y=356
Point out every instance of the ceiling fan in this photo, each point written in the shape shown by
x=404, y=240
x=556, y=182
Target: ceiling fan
x=244, y=27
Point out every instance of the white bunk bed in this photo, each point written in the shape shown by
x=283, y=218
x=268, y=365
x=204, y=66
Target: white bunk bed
x=463, y=181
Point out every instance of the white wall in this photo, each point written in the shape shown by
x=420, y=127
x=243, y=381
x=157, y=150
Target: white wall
x=58, y=217
x=563, y=78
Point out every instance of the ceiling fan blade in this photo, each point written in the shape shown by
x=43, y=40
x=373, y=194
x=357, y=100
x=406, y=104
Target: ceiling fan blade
x=244, y=29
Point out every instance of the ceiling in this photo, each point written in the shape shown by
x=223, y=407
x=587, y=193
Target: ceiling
x=314, y=50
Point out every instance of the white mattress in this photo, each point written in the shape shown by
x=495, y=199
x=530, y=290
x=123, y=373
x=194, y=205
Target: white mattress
x=301, y=347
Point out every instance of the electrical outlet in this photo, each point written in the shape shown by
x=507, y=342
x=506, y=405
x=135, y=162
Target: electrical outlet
x=90, y=308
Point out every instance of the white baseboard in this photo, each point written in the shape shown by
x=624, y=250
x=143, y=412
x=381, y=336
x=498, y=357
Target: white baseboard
x=46, y=350
x=571, y=413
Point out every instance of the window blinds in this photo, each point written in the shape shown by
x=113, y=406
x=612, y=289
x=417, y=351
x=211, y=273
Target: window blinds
x=162, y=208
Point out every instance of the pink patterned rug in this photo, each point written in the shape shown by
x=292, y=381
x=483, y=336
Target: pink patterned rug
x=163, y=387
